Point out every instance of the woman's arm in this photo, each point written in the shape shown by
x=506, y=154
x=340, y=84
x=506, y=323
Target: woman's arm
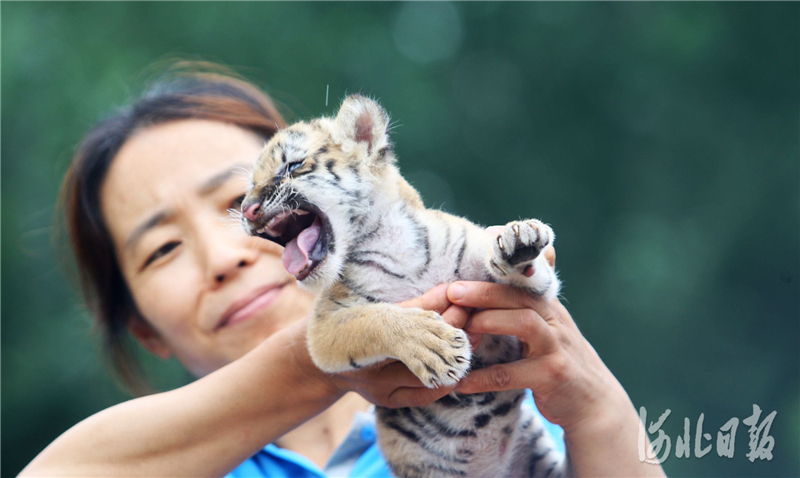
x=205, y=428
x=572, y=386
x=209, y=427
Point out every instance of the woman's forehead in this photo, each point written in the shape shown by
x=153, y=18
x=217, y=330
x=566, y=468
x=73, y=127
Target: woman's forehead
x=171, y=161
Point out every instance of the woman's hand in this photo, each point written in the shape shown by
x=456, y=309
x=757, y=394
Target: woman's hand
x=391, y=384
x=569, y=380
x=571, y=384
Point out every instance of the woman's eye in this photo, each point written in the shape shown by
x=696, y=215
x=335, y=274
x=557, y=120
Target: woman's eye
x=236, y=204
x=293, y=166
x=161, y=251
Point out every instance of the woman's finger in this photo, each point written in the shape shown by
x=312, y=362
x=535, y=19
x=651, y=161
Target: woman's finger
x=486, y=295
x=435, y=300
x=507, y=376
x=456, y=316
x=416, y=397
x=524, y=323
x=398, y=375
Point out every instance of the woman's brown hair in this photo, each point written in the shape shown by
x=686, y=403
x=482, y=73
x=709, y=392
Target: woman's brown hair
x=187, y=90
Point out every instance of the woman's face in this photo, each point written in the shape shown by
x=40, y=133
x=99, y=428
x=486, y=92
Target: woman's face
x=209, y=292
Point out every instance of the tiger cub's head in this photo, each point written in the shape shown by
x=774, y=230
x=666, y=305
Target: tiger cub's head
x=319, y=185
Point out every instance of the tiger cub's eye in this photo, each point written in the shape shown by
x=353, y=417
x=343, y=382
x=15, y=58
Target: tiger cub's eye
x=293, y=166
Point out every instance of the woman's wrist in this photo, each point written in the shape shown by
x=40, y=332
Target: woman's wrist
x=605, y=442
x=307, y=376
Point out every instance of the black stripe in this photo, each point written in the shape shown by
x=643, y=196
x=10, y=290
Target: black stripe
x=329, y=166
x=502, y=410
x=482, y=420
x=427, y=247
x=423, y=238
x=449, y=471
x=440, y=356
x=354, y=289
x=378, y=253
x=461, y=252
x=413, y=436
x=527, y=424
x=353, y=195
x=377, y=266
x=449, y=401
x=353, y=363
x=494, y=264
x=536, y=436
x=444, y=430
x=362, y=238
x=534, y=460
x=332, y=183
x=406, y=433
x=408, y=414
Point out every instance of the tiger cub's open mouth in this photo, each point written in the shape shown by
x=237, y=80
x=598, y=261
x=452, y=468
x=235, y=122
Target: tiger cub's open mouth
x=305, y=235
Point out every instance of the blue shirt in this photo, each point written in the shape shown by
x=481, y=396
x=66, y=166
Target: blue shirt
x=357, y=456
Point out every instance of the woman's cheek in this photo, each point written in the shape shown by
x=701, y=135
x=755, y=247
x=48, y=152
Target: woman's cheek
x=166, y=302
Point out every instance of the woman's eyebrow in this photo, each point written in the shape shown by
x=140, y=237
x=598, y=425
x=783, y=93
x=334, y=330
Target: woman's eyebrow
x=206, y=187
x=214, y=182
x=149, y=223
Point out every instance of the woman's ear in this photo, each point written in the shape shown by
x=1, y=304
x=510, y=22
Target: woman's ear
x=148, y=337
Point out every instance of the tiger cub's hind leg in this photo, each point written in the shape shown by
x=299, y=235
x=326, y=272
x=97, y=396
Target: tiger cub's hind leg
x=515, y=256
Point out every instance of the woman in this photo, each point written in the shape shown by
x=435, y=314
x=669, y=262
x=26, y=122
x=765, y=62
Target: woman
x=147, y=199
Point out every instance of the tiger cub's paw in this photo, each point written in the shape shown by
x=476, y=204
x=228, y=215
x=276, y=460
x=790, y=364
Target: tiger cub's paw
x=437, y=353
x=517, y=245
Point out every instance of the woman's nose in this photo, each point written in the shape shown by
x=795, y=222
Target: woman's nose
x=226, y=254
x=252, y=211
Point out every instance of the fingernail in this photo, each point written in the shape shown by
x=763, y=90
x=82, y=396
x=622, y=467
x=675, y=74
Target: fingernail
x=457, y=291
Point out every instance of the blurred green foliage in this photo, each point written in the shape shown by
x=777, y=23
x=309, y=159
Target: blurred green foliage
x=659, y=139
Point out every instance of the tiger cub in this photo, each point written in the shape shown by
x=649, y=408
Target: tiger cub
x=357, y=233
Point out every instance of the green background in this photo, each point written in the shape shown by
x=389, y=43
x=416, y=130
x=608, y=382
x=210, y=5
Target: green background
x=659, y=140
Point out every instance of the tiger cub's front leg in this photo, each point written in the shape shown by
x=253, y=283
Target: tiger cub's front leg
x=346, y=338
x=515, y=256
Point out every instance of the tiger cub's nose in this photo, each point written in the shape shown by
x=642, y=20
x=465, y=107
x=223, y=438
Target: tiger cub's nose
x=252, y=211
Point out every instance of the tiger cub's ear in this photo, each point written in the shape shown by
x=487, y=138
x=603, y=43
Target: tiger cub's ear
x=362, y=120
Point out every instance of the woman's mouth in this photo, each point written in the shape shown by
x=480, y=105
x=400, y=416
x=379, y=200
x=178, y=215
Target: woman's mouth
x=249, y=305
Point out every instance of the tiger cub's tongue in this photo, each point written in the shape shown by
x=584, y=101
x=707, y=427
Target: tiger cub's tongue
x=295, y=254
